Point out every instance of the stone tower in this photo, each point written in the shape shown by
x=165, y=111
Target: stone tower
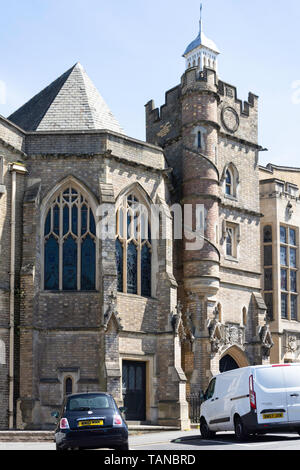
x=210, y=140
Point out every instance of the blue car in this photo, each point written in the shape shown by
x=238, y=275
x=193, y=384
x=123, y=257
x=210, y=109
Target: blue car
x=90, y=421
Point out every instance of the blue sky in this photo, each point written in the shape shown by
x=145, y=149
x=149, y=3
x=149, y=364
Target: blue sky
x=132, y=51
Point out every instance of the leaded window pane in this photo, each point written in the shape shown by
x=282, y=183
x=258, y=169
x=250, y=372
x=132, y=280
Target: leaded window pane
x=56, y=220
x=284, y=279
x=92, y=223
x=293, y=258
x=293, y=237
x=293, y=277
x=119, y=260
x=284, y=309
x=294, y=307
x=78, y=243
x=229, y=243
x=283, y=238
x=283, y=256
x=66, y=220
x=51, y=264
x=75, y=220
x=146, y=271
x=88, y=266
x=70, y=265
x=228, y=183
x=48, y=224
x=133, y=259
x=84, y=219
x=131, y=269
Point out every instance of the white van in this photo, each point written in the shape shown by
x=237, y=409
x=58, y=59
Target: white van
x=253, y=400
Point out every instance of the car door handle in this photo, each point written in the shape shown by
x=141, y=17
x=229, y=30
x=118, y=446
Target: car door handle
x=295, y=395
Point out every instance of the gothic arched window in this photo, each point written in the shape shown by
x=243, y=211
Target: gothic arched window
x=231, y=181
x=70, y=243
x=133, y=248
x=229, y=189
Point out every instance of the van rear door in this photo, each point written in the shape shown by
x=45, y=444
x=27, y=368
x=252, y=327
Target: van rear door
x=271, y=397
x=292, y=382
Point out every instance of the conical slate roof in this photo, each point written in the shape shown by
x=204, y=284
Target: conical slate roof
x=70, y=103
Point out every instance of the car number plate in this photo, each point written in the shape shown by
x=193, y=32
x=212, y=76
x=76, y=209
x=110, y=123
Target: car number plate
x=91, y=422
x=273, y=416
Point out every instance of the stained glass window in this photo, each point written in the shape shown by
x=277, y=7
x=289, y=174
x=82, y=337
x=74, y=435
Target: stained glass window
x=70, y=243
x=133, y=248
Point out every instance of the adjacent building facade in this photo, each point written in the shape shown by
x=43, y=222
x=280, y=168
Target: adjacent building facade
x=279, y=192
x=147, y=318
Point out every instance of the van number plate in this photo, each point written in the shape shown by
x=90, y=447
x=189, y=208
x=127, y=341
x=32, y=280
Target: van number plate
x=273, y=416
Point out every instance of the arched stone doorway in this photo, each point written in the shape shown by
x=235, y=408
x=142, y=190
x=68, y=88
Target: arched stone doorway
x=233, y=358
x=228, y=363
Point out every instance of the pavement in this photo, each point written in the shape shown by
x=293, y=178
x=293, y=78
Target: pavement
x=185, y=441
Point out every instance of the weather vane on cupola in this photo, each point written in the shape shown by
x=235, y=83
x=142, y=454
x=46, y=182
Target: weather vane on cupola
x=202, y=52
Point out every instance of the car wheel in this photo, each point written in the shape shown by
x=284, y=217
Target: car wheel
x=206, y=433
x=240, y=431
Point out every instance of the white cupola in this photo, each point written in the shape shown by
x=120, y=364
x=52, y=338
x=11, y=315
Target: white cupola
x=202, y=52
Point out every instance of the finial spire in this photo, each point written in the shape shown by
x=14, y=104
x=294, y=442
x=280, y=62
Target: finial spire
x=200, y=22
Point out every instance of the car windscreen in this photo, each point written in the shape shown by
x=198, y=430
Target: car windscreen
x=90, y=402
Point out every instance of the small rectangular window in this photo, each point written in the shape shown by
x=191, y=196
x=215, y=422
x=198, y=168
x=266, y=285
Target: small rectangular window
x=269, y=304
x=199, y=140
x=268, y=279
x=268, y=255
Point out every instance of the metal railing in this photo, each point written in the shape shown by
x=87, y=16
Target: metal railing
x=195, y=401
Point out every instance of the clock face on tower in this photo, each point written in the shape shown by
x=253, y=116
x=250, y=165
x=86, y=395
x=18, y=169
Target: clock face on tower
x=230, y=119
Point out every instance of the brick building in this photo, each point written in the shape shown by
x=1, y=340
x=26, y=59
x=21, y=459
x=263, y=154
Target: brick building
x=146, y=319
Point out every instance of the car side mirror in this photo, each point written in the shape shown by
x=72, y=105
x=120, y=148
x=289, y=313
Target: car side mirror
x=123, y=409
x=55, y=414
x=202, y=396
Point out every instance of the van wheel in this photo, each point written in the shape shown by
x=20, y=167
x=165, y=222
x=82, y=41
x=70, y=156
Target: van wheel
x=240, y=431
x=206, y=433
